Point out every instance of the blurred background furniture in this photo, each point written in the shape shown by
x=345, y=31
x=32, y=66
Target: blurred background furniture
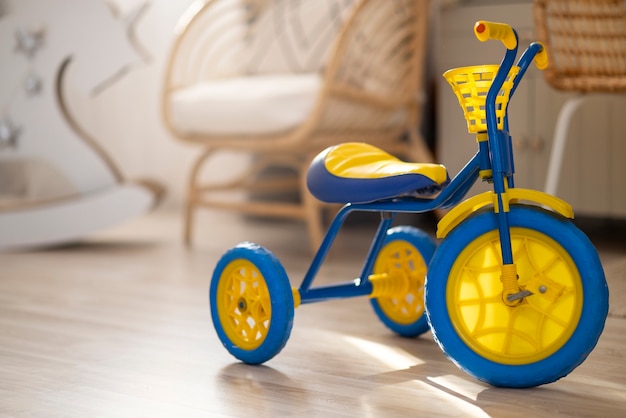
x=586, y=43
x=281, y=80
x=593, y=168
x=58, y=183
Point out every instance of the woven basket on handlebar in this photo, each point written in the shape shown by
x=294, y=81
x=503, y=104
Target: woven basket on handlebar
x=471, y=84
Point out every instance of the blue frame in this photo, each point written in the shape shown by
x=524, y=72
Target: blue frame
x=495, y=154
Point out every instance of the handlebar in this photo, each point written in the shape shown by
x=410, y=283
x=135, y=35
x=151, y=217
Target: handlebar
x=486, y=31
x=541, y=59
x=536, y=52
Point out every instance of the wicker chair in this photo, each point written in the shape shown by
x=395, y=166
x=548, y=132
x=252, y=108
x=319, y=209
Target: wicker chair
x=364, y=85
x=586, y=43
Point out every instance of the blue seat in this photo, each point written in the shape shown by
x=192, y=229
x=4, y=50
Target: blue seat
x=356, y=172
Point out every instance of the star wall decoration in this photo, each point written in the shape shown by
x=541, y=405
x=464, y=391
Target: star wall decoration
x=32, y=85
x=8, y=133
x=28, y=42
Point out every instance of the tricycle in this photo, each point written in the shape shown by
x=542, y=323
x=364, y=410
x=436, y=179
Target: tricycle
x=514, y=293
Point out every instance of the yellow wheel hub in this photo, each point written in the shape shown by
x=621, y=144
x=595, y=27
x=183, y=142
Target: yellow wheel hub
x=405, y=272
x=243, y=304
x=531, y=330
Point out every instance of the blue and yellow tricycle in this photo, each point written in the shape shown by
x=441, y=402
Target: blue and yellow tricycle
x=514, y=293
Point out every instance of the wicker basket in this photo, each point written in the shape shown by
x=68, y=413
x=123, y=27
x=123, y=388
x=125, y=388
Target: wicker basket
x=586, y=42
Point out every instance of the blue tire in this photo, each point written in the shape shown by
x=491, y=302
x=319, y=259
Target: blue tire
x=546, y=335
x=252, y=305
x=405, y=254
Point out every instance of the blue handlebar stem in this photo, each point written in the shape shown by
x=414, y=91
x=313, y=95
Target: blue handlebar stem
x=524, y=62
x=499, y=160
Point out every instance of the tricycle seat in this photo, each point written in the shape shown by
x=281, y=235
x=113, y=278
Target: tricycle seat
x=360, y=173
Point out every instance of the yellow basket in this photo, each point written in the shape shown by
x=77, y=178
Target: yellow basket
x=471, y=84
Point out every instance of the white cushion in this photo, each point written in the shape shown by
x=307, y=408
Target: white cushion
x=245, y=105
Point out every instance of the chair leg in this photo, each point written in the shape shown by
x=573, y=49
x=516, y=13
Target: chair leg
x=558, y=146
x=418, y=150
x=188, y=220
x=191, y=198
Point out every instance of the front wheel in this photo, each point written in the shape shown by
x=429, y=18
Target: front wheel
x=404, y=258
x=547, y=334
x=252, y=303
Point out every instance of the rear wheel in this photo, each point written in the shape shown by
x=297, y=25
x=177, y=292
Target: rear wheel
x=404, y=257
x=252, y=304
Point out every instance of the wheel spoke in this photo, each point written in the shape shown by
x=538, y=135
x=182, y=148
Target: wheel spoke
x=247, y=304
x=406, y=262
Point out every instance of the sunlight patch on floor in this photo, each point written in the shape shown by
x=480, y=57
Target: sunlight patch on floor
x=393, y=357
x=455, y=392
x=463, y=387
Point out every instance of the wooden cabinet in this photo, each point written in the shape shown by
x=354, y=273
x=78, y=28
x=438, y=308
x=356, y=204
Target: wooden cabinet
x=594, y=168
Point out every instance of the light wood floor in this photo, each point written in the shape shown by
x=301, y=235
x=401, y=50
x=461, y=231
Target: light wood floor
x=119, y=326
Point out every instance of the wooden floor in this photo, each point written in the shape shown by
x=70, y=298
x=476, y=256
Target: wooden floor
x=119, y=326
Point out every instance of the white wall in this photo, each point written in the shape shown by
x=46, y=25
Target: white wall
x=126, y=118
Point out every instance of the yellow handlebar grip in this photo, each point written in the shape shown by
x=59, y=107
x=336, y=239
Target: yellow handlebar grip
x=541, y=59
x=485, y=31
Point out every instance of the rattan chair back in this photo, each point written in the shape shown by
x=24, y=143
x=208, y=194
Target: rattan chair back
x=586, y=43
